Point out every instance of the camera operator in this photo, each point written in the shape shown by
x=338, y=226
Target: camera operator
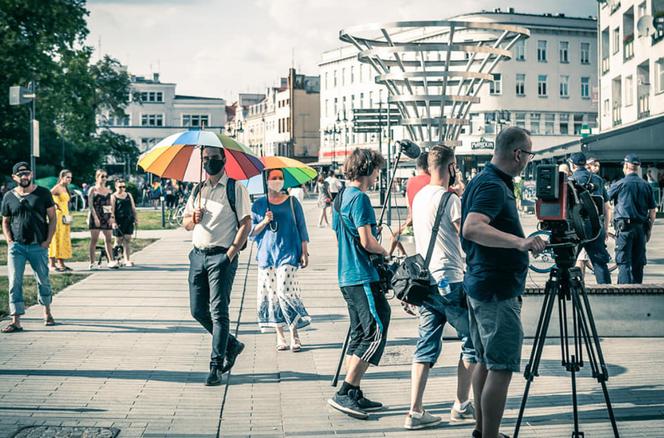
x=449, y=305
x=354, y=223
x=596, y=249
x=497, y=263
x=634, y=216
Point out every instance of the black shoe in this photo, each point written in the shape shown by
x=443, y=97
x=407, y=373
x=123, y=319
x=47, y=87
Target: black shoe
x=365, y=404
x=231, y=355
x=348, y=404
x=214, y=378
x=478, y=434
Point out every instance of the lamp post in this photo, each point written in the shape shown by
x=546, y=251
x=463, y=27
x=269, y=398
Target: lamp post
x=23, y=95
x=333, y=132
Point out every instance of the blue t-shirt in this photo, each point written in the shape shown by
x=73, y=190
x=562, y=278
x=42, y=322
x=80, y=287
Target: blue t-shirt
x=283, y=246
x=354, y=266
x=633, y=198
x=490, y=272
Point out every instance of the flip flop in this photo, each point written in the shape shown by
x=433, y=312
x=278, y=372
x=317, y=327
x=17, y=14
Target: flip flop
x=12, y=328
x=49, y=321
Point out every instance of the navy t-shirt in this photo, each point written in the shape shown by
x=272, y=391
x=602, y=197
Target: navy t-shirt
x=490, y=272
x=633, y=198
x=353, y=266
x=583, y=176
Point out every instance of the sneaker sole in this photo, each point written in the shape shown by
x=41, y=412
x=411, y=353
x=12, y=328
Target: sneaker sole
x=462, y=420
x=355, y=414
x=424, y=426
x=374, y=409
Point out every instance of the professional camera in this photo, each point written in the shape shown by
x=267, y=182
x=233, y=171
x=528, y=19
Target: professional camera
x=566, y=207
x=386, y=268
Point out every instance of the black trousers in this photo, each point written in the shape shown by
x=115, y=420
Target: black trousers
x=210, y=281
x=631, y=254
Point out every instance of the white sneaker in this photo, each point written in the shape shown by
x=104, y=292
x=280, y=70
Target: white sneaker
x=92, y=267
x=465, y=415
x=415, y=421
x=113, y=265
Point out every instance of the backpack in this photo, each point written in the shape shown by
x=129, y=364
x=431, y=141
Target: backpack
x=230, y=194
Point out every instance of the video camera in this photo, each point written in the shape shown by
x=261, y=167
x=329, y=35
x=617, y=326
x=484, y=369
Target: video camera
x=566, y=207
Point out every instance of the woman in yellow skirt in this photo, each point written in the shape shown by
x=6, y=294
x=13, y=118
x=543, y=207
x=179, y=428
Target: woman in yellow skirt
x=60, y=248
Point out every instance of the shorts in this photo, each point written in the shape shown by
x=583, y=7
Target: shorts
x=369, y=314
x=496, y=332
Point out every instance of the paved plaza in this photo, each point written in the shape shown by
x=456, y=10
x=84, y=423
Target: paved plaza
x=127, y=355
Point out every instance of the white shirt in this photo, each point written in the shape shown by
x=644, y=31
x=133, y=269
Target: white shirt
x=218, y=227
x=333, y=183
x=447, y=257
x=297, y=193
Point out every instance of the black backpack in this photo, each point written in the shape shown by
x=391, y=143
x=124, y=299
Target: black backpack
x=230, y=194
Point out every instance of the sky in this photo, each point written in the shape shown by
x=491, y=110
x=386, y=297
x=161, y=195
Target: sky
x=219, y=48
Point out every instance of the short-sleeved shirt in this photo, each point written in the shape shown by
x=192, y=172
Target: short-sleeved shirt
x=633, y=197
x=27, y=215
x=353, y=266
x=283, y=246
x=493, y=272
x=447, y=257
x=414, y=185
x=218, y=225
x=583, y=176
x=334, y=185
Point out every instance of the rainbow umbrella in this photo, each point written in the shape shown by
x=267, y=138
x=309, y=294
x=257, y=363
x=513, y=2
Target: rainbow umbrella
x=295, y=173
x=179, y=156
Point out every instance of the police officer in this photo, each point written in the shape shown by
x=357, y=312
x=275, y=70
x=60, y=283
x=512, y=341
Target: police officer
x=634, y=215
x=596, y=249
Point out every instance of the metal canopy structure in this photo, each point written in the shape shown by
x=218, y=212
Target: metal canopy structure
x=434, y=70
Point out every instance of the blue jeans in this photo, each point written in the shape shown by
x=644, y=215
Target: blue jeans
x=435, y=311
x=18, y=254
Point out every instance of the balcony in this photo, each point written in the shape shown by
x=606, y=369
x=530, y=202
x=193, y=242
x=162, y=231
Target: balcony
x=644, y=106
x=616, y=117
x=628, y=48
x=605, y=65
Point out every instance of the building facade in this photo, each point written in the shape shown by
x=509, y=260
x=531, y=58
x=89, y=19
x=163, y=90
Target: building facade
x=155, y=112
x=547, y=87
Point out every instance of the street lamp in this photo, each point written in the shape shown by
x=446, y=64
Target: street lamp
x=333, y=132
x=22, y=95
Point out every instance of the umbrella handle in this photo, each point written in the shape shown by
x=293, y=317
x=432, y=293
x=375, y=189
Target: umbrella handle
x=200, y=180
x=267, y=196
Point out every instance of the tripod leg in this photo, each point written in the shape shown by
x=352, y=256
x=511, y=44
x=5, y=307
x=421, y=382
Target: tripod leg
x=335, y=379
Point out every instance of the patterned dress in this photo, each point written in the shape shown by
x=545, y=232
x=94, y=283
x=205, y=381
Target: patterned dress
x=60, y=247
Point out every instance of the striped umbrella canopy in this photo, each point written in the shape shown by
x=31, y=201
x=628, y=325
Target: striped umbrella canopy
x=295, y=173
x=179, y=156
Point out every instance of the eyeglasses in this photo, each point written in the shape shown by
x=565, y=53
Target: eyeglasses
x=530, y=154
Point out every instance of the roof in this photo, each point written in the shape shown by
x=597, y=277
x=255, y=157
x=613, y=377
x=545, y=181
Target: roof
x=184, y=97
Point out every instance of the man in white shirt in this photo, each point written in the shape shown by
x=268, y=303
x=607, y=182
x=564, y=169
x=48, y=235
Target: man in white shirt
x=220, y=224
x=449, y=305
x=333, y=183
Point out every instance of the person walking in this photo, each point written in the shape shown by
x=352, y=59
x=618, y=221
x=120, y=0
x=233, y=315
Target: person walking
x=100, y=219
x=354, y=223
x=298, y=193
x=60, y=248
x=219, y=214
x=280, y=232
x=333, y=184
x=28, y=224
x=449, y=305
x=125, y=219
x=324, y=200
x=634, y=215
x=496, y=267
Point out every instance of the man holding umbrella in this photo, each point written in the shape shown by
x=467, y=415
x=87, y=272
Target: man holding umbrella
x=219, y=213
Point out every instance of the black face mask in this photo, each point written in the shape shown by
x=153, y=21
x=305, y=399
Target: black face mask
x=214, y=165
x=452, y=172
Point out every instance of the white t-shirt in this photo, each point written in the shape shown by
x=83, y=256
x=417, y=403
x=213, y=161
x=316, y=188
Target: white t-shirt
x=333, y=183
x=447, y=257
x=297, y=193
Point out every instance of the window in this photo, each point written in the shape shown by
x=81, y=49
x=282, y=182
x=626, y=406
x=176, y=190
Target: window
x=496, y=86
x=195, y=120
x=120, y=121
x=564, y=52
x=152, y=120
x=564, y=86
x=616, y=40
x=541, y=85
x=152, y=96
x=361, y=105
x=563, y=123
x=541, y=51
x=343, y=105
x=585, y=53
x=352, y=74
x=520, y=50
x=578, y=123
x=607, y=106
x=327, y=74
x=520, y=84
x=360, y=68
x=549, y=121
x=370, y=99
x=334, y=78
x=659, y=69
x=585, y=87
x=336, y=105
x=327, y=107
x=535, y=123
x=641, y=10
x=489, y=123
x=520, y=120
x=343, y=77
x=629, y=90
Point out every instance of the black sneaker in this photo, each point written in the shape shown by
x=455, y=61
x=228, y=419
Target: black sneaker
x=348, y=404
x=366, y=404
x=231, y=355
x=214, y=378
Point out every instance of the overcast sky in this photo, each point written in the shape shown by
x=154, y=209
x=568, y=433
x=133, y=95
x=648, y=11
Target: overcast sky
x=219, y=48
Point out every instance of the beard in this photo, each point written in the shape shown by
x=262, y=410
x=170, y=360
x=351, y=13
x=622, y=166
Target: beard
x=25, y=182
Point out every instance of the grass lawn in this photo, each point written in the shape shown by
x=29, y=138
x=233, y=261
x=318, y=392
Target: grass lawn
x=80, y=248
x=147, y=220
x=58, y=282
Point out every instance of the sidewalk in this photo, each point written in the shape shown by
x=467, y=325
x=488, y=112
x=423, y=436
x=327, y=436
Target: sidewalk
x=127, y=354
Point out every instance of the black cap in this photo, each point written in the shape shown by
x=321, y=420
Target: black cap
x=632, y=159
x=578, y=159
x=21, y=166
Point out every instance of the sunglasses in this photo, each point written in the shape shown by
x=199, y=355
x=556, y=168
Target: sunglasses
x=103, y=176
x=23, y=173
x=122, y=187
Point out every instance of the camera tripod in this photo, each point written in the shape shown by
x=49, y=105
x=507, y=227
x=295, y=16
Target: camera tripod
x=566, y=284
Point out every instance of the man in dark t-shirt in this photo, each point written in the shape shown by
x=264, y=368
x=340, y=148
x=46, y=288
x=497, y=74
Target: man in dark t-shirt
x=497, y=262
x=28, y=223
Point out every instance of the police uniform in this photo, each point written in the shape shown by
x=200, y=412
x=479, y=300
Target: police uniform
x=596, y=249
x=633, y=198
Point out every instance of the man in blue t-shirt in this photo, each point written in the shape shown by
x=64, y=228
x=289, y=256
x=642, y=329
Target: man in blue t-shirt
x=354, y=223
x=497, y=262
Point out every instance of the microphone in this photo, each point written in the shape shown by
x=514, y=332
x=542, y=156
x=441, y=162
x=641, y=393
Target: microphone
x=409, y=149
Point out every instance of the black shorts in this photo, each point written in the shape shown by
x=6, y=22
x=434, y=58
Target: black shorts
x=369, y=314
